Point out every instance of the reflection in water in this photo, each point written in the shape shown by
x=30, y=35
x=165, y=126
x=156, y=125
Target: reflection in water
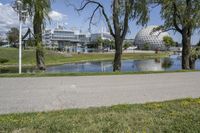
x=167, y=63
x=172, y=63
x=148, y=65
x=157, y=60
x=100, y=66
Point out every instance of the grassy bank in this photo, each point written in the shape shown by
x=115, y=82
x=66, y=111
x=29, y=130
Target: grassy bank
x=54, y=58
x=171, y=116
x=41, y=74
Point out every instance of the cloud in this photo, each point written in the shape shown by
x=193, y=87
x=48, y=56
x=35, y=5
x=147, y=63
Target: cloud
x=8, y=17
x=57, y=16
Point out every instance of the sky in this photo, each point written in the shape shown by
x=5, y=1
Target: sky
x=64, y=14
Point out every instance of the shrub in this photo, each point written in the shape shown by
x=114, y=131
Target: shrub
x=146, y=46
x=3, y=60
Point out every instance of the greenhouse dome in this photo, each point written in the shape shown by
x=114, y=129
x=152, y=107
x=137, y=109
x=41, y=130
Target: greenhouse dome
x=146, y=39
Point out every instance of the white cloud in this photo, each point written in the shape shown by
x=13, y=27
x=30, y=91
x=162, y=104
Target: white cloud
x=8, y=17
x=57, y=16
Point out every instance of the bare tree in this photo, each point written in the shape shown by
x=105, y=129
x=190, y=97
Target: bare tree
x=122, y=12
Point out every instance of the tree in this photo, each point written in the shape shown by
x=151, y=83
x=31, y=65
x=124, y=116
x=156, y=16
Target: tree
x=181, y=16
x=126, y=45
x=122, y=12
x=39, y=10
x=195, y=54
x=108, y=44
x=146, y=46
x=13, y=36
x=168, y=41
x=100, y=43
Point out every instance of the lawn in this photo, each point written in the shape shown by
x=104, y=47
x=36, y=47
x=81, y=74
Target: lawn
x=166, y=117
x=54, y=58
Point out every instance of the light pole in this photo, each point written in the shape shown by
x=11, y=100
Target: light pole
x=22, y=11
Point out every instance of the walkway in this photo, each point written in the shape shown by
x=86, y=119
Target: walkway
x=52, y=93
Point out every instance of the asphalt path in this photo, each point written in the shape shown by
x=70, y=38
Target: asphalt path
x=54, y=93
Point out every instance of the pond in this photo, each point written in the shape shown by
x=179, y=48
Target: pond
x=164, y=64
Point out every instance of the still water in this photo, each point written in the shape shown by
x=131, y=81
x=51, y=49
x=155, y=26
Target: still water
x=164, y=64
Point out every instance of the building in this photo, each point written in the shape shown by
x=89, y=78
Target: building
x=71, y=41
x=102, y=35
x=130, y=41
x=3, y=40
x=65, y=40
x=146, y=39
x=96, y=46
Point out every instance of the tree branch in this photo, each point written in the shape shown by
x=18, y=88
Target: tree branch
x=99, y=6
x=126, y=18
x=175, y=19
x=116, y=18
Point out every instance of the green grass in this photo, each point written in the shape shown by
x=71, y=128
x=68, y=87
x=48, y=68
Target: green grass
x=41, y=74
x=53, y=58
x=162, y=117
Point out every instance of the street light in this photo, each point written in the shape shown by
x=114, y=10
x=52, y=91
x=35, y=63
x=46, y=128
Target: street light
x=22, y=11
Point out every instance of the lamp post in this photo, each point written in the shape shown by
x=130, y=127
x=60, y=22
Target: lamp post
x=22, y=11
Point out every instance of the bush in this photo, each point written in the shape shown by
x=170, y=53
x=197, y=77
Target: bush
x=3, y=60
x=146, y=46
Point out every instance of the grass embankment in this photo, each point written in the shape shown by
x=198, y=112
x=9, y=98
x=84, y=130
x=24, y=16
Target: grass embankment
x=54, y=58
x=171, y=116
x=41, y=74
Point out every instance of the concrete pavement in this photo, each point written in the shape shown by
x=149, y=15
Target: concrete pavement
x=53, y=93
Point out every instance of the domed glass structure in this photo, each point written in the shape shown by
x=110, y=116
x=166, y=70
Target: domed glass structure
x=146, y=39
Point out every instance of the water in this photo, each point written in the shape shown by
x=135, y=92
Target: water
x=165, y=64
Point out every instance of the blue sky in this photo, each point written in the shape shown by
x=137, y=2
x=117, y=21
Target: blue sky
x=66, y=15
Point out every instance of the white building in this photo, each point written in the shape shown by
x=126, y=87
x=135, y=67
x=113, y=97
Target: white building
x=70, y=40
x=102, y=35
x=65, y=40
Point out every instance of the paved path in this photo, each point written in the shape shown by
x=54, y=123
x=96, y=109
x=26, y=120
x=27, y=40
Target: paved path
x=50, y=93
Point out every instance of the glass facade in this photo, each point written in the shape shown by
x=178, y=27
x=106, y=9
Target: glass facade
x=65, y=35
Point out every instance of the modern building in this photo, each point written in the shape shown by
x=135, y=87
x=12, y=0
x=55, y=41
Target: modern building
x=102, y=35
x=65, y=40
x=71, y=41
x=95, y=47
x=147, y=39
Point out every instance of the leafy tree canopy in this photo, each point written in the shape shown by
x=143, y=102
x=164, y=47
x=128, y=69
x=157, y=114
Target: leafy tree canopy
x=13, y=36
x=179, y=15
x=169, y=42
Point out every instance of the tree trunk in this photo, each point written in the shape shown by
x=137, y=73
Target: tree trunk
x=118, y=54
x=40, y=57
x=186, y=51
x=38, y=43
x=192, y=63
